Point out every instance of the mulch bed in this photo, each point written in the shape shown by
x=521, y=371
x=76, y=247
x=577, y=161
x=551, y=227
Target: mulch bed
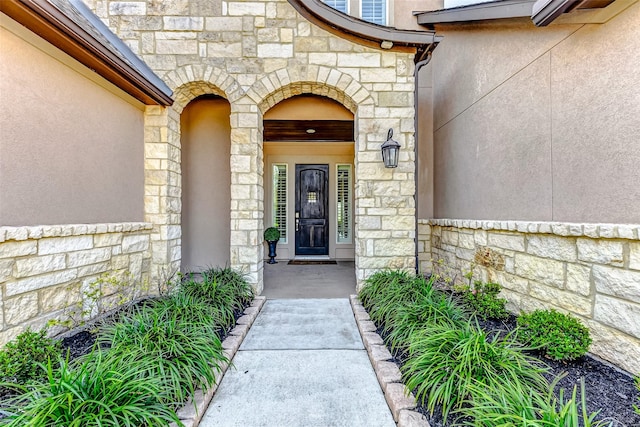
x=608, y=389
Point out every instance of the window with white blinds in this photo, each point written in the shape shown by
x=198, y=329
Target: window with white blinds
x=341, y=5
x=280, y=200
x=344, y=203
x=374, y=11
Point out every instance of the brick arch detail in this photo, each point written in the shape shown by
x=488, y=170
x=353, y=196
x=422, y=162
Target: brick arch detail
x=329, y=82
x=190, y=81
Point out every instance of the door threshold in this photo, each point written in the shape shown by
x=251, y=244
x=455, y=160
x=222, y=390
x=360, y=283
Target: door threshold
x=311, y=258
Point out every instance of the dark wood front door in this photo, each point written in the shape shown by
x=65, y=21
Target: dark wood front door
x=312, y=213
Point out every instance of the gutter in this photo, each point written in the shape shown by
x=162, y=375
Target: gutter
x=48, y=22
x=363, y=32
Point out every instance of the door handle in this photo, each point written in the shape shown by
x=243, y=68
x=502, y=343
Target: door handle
x=297, y=224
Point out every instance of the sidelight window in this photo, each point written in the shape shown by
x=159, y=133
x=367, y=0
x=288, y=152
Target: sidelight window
x=280, y=200
x=343, y=198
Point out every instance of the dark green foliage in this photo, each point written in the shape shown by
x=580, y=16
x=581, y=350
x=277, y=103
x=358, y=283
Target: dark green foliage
x=558, y=335
x=23, y=358
x=181, y=350
x=102, y=390
x=271, y=234
x=430, y=307
x=510, y=405
x=483, y=300
x=222, y=289
x=386, y=292
x=446, y=361
x=157, y=354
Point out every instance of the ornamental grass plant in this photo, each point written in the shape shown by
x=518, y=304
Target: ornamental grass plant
x=105, y=389
x=455, y=367
x=446, y=360
x=386, y=292
x=147, y=360
x=224, y=290
x=509, y=405
x=185, y=352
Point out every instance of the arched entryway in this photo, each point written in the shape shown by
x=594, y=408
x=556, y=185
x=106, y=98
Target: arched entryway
x=206, y=182
x=309, y=196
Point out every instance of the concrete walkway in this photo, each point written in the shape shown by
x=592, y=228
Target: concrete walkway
x=302, y=364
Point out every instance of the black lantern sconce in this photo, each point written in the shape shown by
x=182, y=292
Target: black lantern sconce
x=390, y=151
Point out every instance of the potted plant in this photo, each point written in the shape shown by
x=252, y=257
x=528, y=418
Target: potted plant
x=271, y=236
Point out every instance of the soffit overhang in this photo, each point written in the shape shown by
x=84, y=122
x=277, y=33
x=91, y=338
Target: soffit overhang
x=500, y=9
x=50, y=23
x=366, y=33
x=541, y=12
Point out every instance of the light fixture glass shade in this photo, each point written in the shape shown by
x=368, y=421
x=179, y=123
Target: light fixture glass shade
x=390, y=151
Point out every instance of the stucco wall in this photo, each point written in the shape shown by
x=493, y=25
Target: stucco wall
x=71, y=144
x=538, y=123
x=206, y=184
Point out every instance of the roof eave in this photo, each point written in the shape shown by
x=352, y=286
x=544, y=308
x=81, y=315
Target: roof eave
x=361, y=31
x=477, y=12
x=51, y=24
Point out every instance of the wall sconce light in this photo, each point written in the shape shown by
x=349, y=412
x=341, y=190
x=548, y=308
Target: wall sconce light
x=390, y=151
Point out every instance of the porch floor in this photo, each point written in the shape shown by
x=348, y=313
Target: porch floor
x=282, y=280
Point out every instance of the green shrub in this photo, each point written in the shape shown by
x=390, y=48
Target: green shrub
x=23, y=358
x=445, y=361
x=225, y=291
x=558, y=335
x=510, y=405
x=431, y=307
x=386, y=292
x=183, y=352
x=100, y=391
x=271, y=234
x=483, y=300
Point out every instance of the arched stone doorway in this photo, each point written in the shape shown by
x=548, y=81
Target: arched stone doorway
x=309, y=175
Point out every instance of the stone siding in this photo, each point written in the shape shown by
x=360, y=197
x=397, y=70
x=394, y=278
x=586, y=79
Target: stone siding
x=256, y=54
x=589, y=270
x=46, y=269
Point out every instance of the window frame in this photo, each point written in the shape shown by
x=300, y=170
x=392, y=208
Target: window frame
x=349, y=239
x=274, y=199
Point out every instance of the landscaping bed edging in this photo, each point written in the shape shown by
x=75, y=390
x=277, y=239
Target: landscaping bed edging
x=400, y=400
x=191, y=413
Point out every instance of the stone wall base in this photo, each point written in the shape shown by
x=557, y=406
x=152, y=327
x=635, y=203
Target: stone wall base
x=589, y=270
x=49, y=272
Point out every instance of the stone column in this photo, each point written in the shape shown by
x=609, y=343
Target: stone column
x=385, y=198
x=162, y=203
x=247, y=191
